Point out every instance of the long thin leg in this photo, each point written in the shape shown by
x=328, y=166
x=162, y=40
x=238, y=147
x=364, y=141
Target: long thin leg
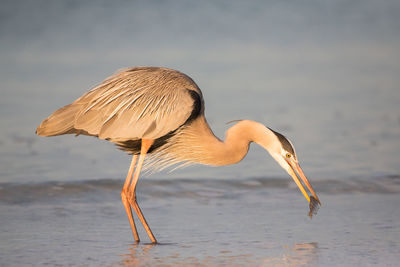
x=146, y=144
x=130, y=172
x=125, y=201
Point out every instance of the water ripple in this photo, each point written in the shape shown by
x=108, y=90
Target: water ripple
x=96, y=190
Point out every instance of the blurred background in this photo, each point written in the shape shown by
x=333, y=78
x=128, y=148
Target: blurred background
x=326, y=74
x=323, y=73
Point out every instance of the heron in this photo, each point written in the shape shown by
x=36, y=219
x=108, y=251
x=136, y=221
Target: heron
x=158, y=114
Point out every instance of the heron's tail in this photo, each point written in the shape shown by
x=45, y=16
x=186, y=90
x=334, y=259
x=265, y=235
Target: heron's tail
x=60, y=122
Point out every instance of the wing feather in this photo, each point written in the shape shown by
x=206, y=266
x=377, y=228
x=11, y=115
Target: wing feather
x=137, y=103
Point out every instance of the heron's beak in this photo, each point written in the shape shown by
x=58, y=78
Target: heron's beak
x=294, y=166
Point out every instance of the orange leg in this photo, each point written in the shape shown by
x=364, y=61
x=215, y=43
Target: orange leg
x=129, y=191
x=125, y=201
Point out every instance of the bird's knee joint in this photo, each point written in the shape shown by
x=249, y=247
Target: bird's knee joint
x=124, y=194
x=127, y=195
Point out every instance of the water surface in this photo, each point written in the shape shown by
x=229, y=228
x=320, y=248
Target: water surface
x=256, y=221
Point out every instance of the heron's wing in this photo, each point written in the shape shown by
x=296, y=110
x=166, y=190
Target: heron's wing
x=138, y=103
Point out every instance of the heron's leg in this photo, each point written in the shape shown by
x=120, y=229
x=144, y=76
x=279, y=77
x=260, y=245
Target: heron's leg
x=125, y=201
x=146, y=144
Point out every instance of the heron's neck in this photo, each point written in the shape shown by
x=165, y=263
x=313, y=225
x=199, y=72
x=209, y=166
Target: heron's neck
x=206, y=148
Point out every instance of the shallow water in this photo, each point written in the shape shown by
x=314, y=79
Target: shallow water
x=325, y=74
x=256, y=221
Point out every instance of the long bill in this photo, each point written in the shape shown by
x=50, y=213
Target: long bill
x=294, y=166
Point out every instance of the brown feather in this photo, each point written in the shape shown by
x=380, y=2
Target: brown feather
x=60, y=122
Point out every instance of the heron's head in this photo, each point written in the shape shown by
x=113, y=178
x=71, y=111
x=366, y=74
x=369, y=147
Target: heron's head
x=282, y=150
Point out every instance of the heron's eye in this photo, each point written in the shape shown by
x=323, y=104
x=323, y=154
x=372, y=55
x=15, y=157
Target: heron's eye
x=288, y=155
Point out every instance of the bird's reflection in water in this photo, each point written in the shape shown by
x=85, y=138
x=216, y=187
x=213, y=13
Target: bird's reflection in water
x=138, y=254
x=303, y=254
x=144, y=254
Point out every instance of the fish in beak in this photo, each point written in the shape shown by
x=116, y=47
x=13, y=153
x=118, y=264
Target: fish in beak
x=313, y=200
